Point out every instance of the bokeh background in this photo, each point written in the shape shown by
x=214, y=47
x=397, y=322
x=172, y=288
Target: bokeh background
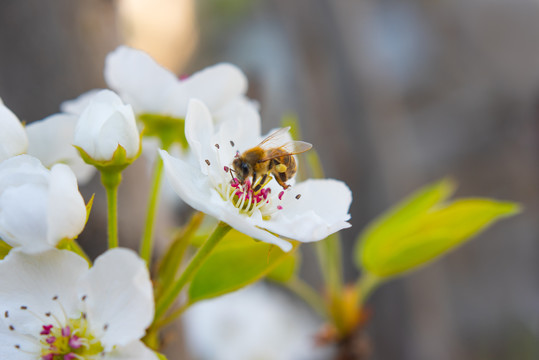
x=392, y=93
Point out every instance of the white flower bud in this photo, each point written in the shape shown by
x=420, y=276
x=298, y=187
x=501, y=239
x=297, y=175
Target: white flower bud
x=13, y=140
x=105, y=124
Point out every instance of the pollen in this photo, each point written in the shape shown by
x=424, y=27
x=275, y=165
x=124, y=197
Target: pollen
x=281, y=168
x=249, y=197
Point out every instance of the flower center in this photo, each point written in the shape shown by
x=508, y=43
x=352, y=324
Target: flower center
x=249, y=197
x=73, y=340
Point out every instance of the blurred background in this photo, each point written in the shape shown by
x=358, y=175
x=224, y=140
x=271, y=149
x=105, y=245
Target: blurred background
x=392, y=93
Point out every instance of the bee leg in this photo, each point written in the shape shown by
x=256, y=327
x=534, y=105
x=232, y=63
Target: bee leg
x=254, y=178
x=279, y=177
x=262, y=181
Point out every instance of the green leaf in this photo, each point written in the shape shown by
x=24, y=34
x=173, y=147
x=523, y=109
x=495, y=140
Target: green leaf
x=236, y=262
x=286, y=269
x=423, y=227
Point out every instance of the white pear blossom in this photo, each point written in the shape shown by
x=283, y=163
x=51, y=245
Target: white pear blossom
x=51, y=141
x=307, y=211
x=105, y=124
x=38, y=207
x=13, y=139
x=150, y=88
x=52, y=307
x=257, y=322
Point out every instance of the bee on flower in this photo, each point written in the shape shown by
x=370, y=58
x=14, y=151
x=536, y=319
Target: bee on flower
x=251, y=200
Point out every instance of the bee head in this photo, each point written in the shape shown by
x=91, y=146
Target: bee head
x=242, y=169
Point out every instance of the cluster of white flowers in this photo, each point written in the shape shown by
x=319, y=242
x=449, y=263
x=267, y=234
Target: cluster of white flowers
x=52, y=306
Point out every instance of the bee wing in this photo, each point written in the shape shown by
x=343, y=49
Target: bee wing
x=290, y=148
x=275, y=139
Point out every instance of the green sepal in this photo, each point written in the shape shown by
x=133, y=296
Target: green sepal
x=160, y=356
x=4, y=249
x=89, y=205
x=236, y=262
x=169, y=130
x=73, y=245
x=424, y=227
x=118, y=162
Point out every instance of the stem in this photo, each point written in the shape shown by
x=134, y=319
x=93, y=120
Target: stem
x=146, y=245
x=307, y=294
x=172, y=316
x=365, y=286
x=329, y=250
x=329, y=254
x=170, y=295
x=111, y=180
x=170, y=263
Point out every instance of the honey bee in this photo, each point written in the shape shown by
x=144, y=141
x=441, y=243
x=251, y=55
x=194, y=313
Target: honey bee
x=272, y=156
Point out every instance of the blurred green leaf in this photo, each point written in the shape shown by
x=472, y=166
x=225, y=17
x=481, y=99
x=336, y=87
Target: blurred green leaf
x=286, y=268
x=236, y=262
x=423, y=227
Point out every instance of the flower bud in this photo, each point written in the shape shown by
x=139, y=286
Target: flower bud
x=105, y=127
x=13, y=140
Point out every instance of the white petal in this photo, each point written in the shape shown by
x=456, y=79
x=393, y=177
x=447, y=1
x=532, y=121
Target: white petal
x=16, y=346
x=117, y=130
x=139, y=80
x=66, y=209
x=22, y=169
x=215, y=85
x=13, y=139
x=23, y=202
x=88, y=125
x=199, y=132
x=77, y=106
x=245, y=225
x=135, y=350
x=189, y=183
x=23, y=217
x=242, y=128
x=321, y=210
x=51, y=141
x=119, y=297
x=33, y=281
